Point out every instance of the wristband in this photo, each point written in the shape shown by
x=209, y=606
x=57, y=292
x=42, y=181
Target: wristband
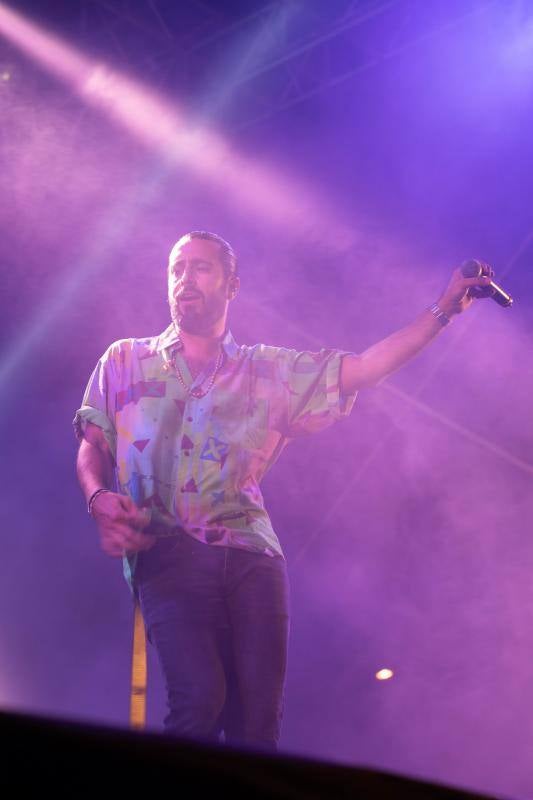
x=93, y=497
x=439, y=314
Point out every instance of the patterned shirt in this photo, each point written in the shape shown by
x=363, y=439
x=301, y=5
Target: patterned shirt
x=196, y=463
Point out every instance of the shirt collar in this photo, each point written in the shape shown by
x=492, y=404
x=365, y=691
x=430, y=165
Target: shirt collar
x=170, y=337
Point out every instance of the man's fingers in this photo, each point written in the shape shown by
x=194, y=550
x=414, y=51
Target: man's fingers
x=136, y=539
x=122, y=510
x=118, y=539
x=127, y=506
x=121, y=522
x=125, y=501
x=118, y=550
x=113, y=550
x=484, y=280
x=138, y=517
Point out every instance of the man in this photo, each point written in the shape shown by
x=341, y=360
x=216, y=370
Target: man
x=184, y=426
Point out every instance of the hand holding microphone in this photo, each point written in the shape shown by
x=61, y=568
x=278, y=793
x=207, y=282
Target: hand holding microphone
x=476, y=269
x=472, y=280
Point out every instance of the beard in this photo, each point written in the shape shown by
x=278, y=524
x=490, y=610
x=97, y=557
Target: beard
x=199, y=317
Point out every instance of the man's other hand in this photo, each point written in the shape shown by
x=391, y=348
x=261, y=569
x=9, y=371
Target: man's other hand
x=120, y=525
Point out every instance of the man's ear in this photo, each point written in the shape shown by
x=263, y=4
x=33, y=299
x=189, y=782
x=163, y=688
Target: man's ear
x=233, y=286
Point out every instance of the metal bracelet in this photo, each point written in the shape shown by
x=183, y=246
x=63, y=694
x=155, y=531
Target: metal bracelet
x=437, y=312
x=93, y=497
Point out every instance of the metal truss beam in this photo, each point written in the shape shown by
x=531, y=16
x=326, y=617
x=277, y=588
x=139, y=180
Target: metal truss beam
x=307, y=47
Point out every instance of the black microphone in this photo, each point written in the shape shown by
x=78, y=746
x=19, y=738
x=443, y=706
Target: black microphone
x=475, y=269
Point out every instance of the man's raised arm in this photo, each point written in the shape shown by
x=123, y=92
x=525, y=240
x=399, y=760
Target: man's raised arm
x=388, y=355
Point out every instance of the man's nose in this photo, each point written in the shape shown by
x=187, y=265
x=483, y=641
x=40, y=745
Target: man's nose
x=189, y=274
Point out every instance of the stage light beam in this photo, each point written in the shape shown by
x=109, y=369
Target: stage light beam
x=162, y=127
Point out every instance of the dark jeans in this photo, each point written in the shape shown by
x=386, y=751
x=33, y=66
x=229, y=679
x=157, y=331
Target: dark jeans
x=218, y=619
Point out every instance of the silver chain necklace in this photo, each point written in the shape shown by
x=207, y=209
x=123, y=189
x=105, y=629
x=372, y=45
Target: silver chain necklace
x=197, y=392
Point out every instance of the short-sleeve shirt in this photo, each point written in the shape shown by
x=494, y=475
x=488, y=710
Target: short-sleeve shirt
x=197, y=462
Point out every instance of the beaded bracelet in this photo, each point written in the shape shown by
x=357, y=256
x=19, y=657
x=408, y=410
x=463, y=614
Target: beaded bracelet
x=439, y=314
x=93, y=497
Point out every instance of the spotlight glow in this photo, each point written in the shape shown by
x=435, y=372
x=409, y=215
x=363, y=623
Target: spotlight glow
x=384, y=674
x=155, y=121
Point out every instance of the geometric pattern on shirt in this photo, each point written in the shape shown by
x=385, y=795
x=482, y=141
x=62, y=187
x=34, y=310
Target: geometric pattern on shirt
x=213, y=535
x=155, y=500
x=233, y=515
x=289, y=388
x=265, y=369
x=306, y=375
x=141, y=389
x=137, y=479
x=186, y=443
x=140, y=444
x=181, y=406
x=307, y=364
x=215, y=450
x=309, y=422
x=218, y=497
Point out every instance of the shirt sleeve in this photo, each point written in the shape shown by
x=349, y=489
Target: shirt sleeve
x=98, y=404
x=312, y=383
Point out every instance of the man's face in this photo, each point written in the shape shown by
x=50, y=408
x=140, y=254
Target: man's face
x=197, y=286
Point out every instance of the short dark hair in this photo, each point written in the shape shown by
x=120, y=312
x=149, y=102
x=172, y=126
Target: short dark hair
x=227, y=253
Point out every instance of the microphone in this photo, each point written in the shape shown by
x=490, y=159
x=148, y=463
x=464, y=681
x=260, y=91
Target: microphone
x=475, y=269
